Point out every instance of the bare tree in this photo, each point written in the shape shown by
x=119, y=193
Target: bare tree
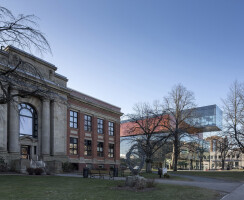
x=224, y=146
x=180, y=106
x=234, y=114
x=146, y=128
x=21, y=31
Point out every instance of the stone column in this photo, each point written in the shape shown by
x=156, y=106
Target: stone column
x=13, y=125
x=45, y=127
x=3, y=127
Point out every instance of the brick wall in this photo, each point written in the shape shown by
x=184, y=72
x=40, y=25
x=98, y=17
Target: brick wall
x=107, y=116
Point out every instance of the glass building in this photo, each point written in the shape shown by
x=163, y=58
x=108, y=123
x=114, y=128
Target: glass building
x=209, y=118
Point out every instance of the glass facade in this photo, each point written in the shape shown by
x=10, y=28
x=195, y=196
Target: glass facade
x=208, y=117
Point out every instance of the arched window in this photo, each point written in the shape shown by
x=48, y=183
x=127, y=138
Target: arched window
x=27, y=120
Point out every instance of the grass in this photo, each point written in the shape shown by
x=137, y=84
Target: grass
x=62, y=188
x=224, y=175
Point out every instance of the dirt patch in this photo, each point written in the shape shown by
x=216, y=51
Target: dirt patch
x=220, y=195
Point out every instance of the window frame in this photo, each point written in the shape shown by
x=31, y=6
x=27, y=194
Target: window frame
x=100, y=126
x=87, y=120
x=100, y=149
x=72, y=123
x=111, y=153
x=34, y=118
x=111, y=128
x=72, y=141
x=88, y=152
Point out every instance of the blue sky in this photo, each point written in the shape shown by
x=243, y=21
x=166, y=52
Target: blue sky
x=130, y=51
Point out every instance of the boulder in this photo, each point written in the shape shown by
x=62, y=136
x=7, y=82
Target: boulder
x=136, y=181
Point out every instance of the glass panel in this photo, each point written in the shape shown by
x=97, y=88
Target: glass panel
x=26, y=112
x=26, y=125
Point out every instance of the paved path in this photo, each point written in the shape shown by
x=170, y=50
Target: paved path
x=237, y=194
x=235, y=189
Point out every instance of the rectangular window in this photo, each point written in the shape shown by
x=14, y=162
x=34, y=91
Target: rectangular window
x=73, y=119
x=111, y=151
x=88, y=123
x=73, y=146
x=100, y=149
x=100, y=166
x=111, y=167
x=214, y=145
x=111, y=128
x=89, y=165
x=100, y=126
x=88, y=147
x=34, y=150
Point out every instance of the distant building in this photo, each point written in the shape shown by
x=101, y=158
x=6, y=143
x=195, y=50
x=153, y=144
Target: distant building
x=69, y=127
x=233, y=160
x=206, y=119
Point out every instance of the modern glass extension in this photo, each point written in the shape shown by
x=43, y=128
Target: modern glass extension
x=209, y=118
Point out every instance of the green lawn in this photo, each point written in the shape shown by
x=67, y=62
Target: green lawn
x=225, y=175
x=62, y=188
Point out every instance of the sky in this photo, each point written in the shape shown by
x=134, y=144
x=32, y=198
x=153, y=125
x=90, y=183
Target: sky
x=129, y=51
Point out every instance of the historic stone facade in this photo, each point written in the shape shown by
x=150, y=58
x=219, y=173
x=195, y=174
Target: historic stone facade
x=63, y=126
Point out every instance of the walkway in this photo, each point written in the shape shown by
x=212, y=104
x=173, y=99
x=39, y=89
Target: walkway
x=237, y=194
x=235, y=189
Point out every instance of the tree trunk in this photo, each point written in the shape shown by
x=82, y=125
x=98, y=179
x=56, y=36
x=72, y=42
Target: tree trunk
x=223, y=164
x=175, y=159
x=201, y=164
x=191, y=165
x=172, y=158
x=175, y=150
x=148, y=167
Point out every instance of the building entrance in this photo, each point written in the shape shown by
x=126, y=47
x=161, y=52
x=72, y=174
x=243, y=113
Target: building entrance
x=25, y=152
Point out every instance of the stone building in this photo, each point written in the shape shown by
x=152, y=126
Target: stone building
x=233, y=158
x=64, y=126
